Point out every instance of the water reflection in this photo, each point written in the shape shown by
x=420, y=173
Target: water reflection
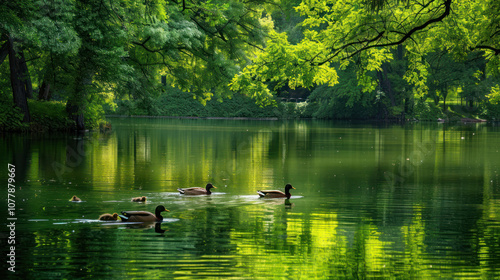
x=411, y=202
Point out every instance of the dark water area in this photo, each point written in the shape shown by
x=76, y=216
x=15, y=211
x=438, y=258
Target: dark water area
x=378, y=201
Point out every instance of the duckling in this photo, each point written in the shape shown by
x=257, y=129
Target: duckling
x=75, y=198
x=139, y=199
x=143, y=216
x=197, y=190
x=108, y=217
x=277, y=194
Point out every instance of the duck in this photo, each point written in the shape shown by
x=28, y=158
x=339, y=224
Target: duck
x=197, y=190
x=139, y=199
x=143, y=216
x=75, y=198
x=277, y=194
x=108, y=217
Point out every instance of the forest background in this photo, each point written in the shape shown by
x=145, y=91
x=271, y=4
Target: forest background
x=66, y=64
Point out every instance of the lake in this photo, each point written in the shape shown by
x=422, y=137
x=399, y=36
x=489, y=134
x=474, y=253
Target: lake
x=371, y=200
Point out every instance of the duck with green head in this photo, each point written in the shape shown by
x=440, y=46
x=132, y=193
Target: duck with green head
x=197, y=190
x=276, y=193
x=143, y=216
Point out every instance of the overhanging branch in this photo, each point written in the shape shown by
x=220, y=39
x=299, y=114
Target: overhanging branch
x=496, y=50
x=367, y=43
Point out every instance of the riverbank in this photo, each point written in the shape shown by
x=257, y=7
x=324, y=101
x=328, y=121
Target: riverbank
x=202, y=118
x=51, y=115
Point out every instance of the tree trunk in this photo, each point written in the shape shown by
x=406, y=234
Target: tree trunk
x=76, y=114
x=44, y=92
x=26, y=76
x=400, y=51
x=407, y=101
x=471, y=103
x=76, y=103
x=445, y=95
x=17, y=80
x=385, y=84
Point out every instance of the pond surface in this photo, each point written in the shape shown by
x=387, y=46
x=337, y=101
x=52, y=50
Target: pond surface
x=413, y=201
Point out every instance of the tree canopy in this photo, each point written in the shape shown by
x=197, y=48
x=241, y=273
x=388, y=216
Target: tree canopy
x=90, y=52
x=339, y=33
x=84, y=48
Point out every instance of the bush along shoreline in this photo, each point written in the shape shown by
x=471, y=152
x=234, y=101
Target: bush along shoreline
x=46, y=116
x=178, y=104
x=181, y=104
x=49, y=116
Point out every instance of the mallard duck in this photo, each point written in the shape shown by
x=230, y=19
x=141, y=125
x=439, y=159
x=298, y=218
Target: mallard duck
x=197, y=190
x=75, y=198
x=139, y=199
x=108, y=217
x=143, y=216
x=277, y=194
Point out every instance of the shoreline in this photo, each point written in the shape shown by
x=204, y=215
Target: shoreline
x=193, y=118
x=463, y=120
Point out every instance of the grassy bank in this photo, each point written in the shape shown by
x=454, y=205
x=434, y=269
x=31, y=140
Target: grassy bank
x=51, y=115
x=182, y=104
x=46, y=116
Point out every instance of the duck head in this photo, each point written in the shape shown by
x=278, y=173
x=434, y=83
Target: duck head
x=208, y=187
x=288, y=187
x=159, y=209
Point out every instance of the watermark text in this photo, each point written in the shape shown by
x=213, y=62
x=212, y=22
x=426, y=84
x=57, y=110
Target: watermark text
x=11, y=217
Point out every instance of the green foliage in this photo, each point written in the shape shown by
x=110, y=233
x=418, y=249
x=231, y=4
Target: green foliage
x=335, y=103
x=178, y=103
x=425, y=111
x=494, y=96
x=94, y=115
x=380, y=55
x=283, y=63
x=86, y=48
x=46, y=116
x=365, y=33
x=49, y=116
x=287, y=20
x=11, y=117
x=346, y=100
x=492, y=111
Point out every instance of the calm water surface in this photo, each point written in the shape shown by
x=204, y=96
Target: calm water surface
x=413, y=201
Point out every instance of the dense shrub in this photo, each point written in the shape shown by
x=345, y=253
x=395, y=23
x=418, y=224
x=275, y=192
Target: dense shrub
x=94, y=115
x=11, y=117
x=337, y=103
x=492, y=112
x=425, y=111
x=49, y=116
x=45, y=116
x=178, y=103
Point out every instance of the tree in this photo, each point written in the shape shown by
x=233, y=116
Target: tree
x=364, y=33
x=25, y=28
x=19, y=79
x=86, y=48
x=200, y=46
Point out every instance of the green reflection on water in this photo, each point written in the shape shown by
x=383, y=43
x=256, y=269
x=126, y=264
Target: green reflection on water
x=415, y=201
